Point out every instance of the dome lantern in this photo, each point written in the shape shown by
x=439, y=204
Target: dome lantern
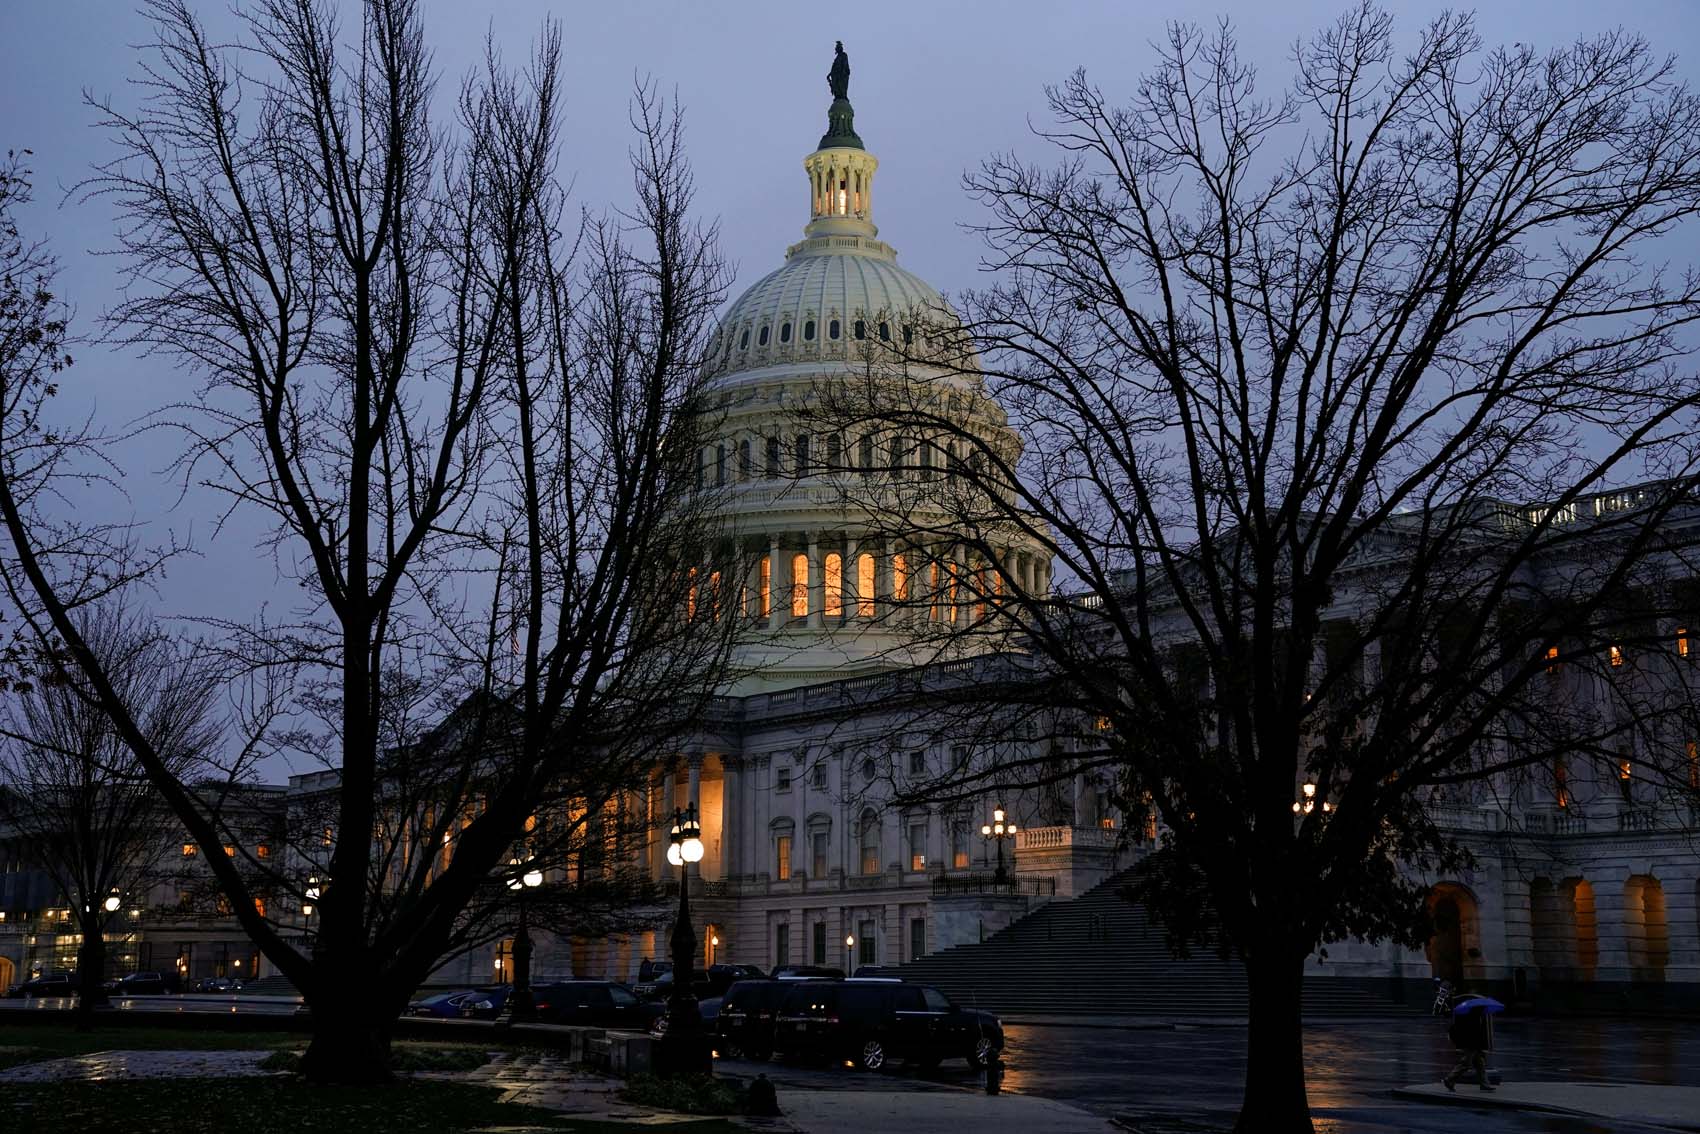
x=841, y=171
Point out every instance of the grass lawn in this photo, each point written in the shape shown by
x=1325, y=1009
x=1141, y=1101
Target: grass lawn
x=285, y=1106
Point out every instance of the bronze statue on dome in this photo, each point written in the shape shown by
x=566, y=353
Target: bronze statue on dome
x=838, y=79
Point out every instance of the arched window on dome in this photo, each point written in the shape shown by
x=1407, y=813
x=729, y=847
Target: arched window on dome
x=802, y=454
x=773, y=458
x=885, y=331
x=864, y=585
x=897, y=457
x=746, y=466
x=834, y=452
x=908, y=334
x=744, y=340
x=865, y=454
x=761, y=337
x=926, y=448
x=900, y=577
x=799, y=586
x=809, y=331
x=832, y=601
x=861, y=329
x=843, y=196
x=785, y=332
x=832, y=330
x=720, y=466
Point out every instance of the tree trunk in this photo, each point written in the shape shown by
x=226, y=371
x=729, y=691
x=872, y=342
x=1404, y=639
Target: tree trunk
x=351, y=1036
x=1275, y=1099
x=91, y=975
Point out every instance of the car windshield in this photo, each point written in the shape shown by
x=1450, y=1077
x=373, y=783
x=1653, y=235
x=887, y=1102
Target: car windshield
x=623, y=997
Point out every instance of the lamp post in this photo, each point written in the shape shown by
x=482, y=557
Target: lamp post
x=684, y=1049
x=1307, y=801
x=519, y=883
x=849, y=954
x=997, y=830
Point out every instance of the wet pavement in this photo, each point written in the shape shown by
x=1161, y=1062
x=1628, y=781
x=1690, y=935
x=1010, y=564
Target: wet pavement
x=1353, y=1068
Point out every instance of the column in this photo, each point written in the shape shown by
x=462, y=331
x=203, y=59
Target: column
x=885, y=580
x=731, y=838
x=692, y=795
x=962, y=601
x=661, y=821
x=817, y=582
x=778, y=585
x=1082, y=800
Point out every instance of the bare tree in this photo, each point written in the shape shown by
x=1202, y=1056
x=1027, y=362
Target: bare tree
x=1329, y=401
x=469, y=420
x=73, y=790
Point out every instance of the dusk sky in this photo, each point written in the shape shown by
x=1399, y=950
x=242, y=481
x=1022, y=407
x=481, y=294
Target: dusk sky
x=936, y=87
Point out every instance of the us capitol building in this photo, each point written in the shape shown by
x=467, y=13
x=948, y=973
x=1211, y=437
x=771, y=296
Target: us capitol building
x=809, y=859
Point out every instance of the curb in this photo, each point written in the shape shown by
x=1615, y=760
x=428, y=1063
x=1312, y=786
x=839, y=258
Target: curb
x=1491, y=1101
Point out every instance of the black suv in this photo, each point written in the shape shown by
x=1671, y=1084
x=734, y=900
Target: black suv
x=747, y=1013
x=871, y=1022
x=592, y=1003
x=60, y=983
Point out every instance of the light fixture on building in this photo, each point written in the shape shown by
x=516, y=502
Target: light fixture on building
x=1308, y=804
x=113, y=901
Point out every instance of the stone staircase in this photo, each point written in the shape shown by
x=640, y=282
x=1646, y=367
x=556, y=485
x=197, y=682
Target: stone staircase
x=1101, y=955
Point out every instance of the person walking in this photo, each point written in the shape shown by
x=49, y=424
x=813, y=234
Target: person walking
x=1471, y=1033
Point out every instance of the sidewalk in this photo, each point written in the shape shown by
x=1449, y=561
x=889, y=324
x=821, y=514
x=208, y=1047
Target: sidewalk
x=927, y=1112
x=1677, y=1108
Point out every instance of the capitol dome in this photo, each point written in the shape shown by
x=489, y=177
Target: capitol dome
x=832, y=586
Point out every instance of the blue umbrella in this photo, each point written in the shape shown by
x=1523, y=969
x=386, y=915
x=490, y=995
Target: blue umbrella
x=1486, y=1003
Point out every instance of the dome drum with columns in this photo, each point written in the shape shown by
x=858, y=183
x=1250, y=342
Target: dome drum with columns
x=836, y=591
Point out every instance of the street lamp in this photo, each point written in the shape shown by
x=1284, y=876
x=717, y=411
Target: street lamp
x=998, y=830
x=849, y=953
x=519, y=883
x=1308, y=801
x=684, y=1049
x=113, y=901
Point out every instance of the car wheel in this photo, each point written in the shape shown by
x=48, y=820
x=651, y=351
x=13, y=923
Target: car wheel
x=982, y=1053
x=873, y=1056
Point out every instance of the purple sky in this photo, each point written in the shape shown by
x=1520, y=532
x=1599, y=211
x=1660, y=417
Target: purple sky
x=936, y=86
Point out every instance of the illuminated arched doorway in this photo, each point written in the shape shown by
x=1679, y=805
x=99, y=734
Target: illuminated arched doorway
x=6, y=975
x=1452, y=950
x=1646, y=932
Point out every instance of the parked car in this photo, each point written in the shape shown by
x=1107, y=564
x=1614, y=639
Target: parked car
x=745, y=1019
x=885, y=972
x=648, y=970
x=216, y=984
x=800, y=972
x=872, y=1022
x=141, y=984
x=660, y=988
x=485, y=1004
x=593, y=1003
x=59, y=982
x=443, y=1005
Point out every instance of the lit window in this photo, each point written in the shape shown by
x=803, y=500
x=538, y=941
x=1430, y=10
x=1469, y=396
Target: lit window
x=260, y=906
x=263, y=851
x=1616, y=653
x=833, y=603
x=782, y=857
x=1682, y=642
x=865, y=585
x=1625, y=769
x=714, y=594
x=900, y=577
x=229, y=851
x=190, y=850
x=1108, y=823
x=766, y=585
x=917, y=846
x=1694, y=764
x=1552, y=659
x=799, y=586
x=1560, y=783
x=691, y=593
